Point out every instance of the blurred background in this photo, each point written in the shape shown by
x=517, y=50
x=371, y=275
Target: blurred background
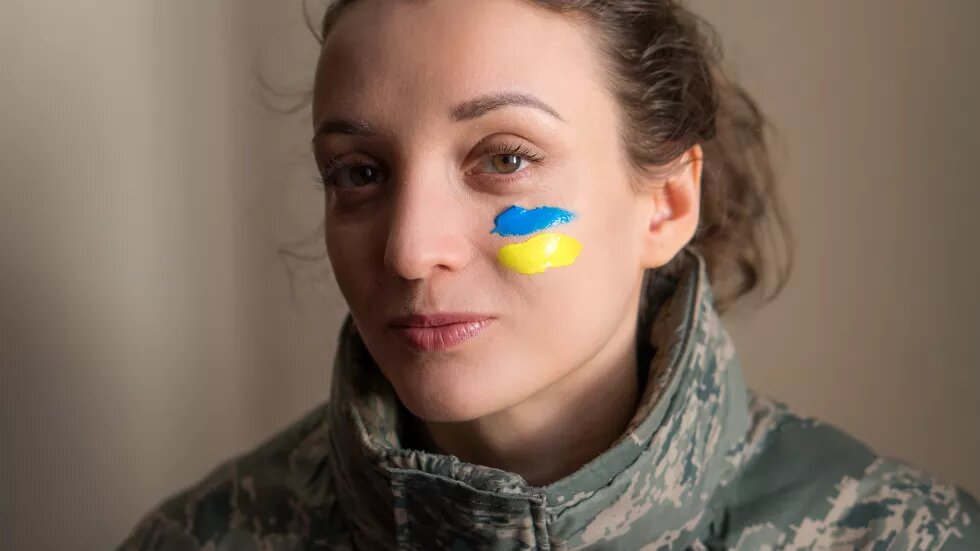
x=149, y=327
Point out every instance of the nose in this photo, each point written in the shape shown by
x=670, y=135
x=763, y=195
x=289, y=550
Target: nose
x=429, y=229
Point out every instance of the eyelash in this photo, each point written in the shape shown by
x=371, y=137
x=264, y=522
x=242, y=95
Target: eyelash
x=328, y=178
x=510, y=149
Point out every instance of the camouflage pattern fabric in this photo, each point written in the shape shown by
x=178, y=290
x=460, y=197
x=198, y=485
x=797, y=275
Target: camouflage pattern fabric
x=704, y=464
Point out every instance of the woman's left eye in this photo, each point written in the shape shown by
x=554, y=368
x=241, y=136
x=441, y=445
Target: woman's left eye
x=507, y=163
x=509, y=159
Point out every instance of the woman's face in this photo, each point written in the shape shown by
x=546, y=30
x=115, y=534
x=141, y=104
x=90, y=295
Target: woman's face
x=446, y=114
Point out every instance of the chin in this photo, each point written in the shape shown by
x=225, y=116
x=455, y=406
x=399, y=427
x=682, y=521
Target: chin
x=445, y=403
x=442, y=394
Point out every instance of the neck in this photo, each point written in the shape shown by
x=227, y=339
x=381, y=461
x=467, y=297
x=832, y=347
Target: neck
x=556, y=431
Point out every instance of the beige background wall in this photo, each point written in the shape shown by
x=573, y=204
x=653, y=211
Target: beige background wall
x=147, y=328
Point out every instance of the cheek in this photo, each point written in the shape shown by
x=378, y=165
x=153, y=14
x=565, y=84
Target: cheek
x=562, y=273
x=565, y=316
x=612, y=233
x=352, y=253
x=591, y=289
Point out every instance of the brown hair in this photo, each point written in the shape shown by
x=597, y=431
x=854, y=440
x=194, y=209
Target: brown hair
x=664, y=68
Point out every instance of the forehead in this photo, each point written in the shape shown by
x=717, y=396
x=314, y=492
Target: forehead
x=400, y=59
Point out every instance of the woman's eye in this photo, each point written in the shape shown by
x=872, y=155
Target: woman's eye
x=507, y=163
x=354, y=176
x=509, y=159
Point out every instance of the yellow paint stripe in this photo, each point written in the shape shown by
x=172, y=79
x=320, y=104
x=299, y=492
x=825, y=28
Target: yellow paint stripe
x=543, y=251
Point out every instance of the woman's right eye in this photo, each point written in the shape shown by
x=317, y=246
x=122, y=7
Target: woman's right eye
x=352, y=175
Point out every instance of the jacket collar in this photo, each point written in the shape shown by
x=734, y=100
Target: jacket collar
x=652, y=485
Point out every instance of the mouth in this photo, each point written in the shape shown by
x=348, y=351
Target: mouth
x=439, y=331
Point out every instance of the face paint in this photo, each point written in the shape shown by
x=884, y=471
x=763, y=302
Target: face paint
x=520, y=221
x=548, y=250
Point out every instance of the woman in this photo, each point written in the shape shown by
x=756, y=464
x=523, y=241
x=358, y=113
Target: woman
x=530, y=209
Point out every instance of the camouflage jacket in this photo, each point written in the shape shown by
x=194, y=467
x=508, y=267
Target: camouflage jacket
x=704, y=464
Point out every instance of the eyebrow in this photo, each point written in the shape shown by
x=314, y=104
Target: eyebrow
x=357, y=127
x=468, y=110
x=479, y=106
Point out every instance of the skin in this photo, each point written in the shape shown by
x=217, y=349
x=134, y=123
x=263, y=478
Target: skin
x=551, y=382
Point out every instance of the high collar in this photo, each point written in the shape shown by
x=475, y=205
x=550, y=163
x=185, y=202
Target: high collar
x=652, y=485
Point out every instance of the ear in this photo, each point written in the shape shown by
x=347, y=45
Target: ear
x=673, y=210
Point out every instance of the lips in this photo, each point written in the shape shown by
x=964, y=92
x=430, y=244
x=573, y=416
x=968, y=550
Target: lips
x=439, y=331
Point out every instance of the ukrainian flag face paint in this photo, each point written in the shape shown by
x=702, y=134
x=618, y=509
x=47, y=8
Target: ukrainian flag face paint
x=537, y=254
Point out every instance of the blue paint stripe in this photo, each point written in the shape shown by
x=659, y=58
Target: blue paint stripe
x=520, y=221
